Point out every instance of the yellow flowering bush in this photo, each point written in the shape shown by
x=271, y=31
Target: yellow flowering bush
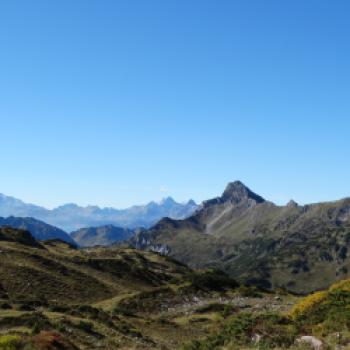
x=308, y=303
x=9, y=342
x=343, y=285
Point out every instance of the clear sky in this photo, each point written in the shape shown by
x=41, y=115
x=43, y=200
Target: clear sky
x=121, y=102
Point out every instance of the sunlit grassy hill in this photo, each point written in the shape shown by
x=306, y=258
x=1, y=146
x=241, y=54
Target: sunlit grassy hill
x=111, y=298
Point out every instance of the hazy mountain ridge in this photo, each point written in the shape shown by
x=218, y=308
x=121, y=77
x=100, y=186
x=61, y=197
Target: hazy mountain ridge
x=71, y=217
x=39, y=229
x=301, y=248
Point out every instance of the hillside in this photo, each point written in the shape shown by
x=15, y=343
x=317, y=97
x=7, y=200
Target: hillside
x=39, y=229
x=318, y=321
x=301, y=248
x=103, y=235
x=56, y=297
x=72, y=217
x=108, y=298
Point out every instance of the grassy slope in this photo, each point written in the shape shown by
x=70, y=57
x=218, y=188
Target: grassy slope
x=324, y=315
x=101, y=236
x=117, y=298
x=107, y=298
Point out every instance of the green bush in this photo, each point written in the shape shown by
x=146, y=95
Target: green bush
x=5, y=306
x=324, y=311
x=249, y=292
x=9, y=342
x=85, y=326
x=215, y=280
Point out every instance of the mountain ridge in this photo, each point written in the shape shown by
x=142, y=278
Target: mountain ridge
x=256, y=241
x=40, y=230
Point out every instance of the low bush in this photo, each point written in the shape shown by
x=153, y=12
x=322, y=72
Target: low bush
x=85, y=326
x=52, y=340
x=325, y=312
x=249, y=291
x=9, y=342
x=212, y=280
x=5, y=306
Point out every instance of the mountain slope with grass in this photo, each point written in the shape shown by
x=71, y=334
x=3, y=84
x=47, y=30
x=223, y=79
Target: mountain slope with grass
x=56, y=297
x=103, y=235
x=301, y=248
x=52, y=293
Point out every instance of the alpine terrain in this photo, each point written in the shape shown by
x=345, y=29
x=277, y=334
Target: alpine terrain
x=300, y=248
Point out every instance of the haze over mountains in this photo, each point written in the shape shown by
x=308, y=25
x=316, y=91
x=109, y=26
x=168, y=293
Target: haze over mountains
x=71, y=217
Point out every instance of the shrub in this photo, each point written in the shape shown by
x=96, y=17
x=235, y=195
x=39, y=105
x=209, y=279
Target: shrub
x=85, y=326
x=325, y=312
x=52, y=340
x=9, y=342
x=212, y=280
x=5, y=306
x=122, y=310
x=306, y=305
x=249, y=291
x=343, y=285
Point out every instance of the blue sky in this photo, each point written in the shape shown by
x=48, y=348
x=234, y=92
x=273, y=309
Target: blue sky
x=122, y=102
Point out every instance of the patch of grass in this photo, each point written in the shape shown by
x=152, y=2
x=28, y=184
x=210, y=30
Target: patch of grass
x=275, y=331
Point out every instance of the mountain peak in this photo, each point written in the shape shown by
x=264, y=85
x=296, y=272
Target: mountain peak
x=191, y=202
x=167, y=201
x=292, y=204
x=237, y=191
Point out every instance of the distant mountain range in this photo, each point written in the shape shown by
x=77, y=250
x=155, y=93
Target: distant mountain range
x=301, y=248
x=71, y=217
